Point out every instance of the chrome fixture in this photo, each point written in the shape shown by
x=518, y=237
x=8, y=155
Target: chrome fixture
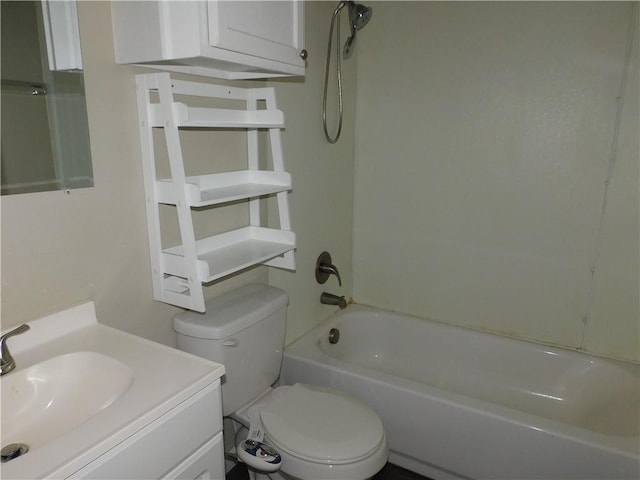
x=325, y=268
x=359, y=16
x=331, y=299
x=334, y=336
x=7, y=363
x=13, y=450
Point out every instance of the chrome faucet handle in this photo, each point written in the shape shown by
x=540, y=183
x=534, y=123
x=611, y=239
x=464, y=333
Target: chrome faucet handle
x=325, y=268
x=7, y=363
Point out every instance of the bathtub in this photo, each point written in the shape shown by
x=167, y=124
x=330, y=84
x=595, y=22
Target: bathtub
x=458, y=403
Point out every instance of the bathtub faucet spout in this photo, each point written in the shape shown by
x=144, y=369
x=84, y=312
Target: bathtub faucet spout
x=331, y=299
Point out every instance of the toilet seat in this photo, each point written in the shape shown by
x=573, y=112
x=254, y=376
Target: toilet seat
x=320, y=425
x=321, y=434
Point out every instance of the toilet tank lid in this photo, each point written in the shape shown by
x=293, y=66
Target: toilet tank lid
x=232, y=312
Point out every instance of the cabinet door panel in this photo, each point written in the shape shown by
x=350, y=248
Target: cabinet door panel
x=272, y=30
x=207, y=463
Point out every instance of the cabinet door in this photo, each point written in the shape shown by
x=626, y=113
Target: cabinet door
x=207, y=463
x=267, y=29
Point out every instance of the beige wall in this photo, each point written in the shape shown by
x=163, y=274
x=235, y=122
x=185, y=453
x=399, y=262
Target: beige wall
x=322, y=198
x=614, y=314
x=59, y=250
x=483, y=144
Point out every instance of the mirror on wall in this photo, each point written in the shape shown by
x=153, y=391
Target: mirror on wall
x=45, y=133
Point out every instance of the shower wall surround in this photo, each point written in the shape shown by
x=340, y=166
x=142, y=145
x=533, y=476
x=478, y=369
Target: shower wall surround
x=487, y=190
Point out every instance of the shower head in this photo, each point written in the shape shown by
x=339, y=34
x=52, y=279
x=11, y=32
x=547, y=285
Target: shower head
x=359, y=16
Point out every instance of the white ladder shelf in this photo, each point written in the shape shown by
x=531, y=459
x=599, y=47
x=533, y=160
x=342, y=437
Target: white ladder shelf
x=178, y=272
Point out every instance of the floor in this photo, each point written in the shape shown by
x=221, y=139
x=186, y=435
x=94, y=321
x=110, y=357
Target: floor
x=393, y=472
x=389, y=472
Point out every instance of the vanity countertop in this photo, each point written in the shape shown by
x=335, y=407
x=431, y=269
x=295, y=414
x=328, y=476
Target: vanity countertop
x=163, y=378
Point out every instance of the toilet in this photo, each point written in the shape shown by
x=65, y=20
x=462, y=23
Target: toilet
x=317, y=433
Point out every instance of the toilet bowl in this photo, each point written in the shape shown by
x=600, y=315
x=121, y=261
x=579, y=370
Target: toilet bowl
x=319, y=434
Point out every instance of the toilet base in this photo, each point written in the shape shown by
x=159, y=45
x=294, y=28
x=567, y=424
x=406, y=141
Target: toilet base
x=278, y=476
x=241, y=434
x=262, y=476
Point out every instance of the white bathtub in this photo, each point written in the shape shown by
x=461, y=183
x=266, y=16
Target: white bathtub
x=457, y=403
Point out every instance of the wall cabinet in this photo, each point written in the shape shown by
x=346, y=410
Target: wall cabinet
x=224, y=39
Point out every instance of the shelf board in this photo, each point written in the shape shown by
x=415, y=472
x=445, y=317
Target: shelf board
x=216, y=117
x=205, y=190
x=230, y=252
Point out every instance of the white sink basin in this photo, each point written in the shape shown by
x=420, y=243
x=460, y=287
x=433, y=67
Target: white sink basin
x=47, y=400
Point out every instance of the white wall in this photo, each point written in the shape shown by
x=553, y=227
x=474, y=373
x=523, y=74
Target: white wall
x=483, y=145
x=59, y=250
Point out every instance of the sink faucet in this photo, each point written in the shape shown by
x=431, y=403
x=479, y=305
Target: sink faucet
x=331, y=299
x=7, y=363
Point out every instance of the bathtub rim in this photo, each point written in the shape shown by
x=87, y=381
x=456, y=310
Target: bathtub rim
x=362, y=307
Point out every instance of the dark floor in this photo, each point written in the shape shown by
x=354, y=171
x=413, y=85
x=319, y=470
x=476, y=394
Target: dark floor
x=393, y=472
x=389, y=472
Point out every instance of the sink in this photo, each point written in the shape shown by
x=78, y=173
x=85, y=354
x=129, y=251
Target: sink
x=44, y=401
x=82, y=389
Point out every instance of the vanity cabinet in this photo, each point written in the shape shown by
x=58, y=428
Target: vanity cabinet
x=184, y=443
x=224, y=39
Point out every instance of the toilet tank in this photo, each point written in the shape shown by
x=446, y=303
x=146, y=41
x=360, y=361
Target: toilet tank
x=244, y=330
